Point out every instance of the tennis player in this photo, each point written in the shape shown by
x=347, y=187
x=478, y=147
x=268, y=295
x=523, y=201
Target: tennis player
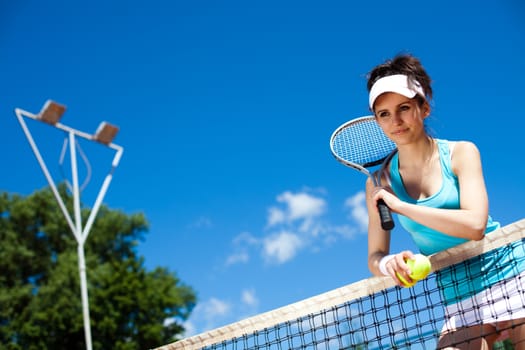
x=437, y=189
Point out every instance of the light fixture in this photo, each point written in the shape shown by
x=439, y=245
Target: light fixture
x=51, y=112
x=105, y=133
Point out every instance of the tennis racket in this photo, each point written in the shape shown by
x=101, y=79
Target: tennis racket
x=361, y=144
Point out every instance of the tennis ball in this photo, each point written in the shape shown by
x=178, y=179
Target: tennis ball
x=419, y=268
x=405, y=283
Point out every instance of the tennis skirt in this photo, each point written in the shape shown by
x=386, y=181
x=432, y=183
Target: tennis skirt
x=503, y=301
x=485, y=289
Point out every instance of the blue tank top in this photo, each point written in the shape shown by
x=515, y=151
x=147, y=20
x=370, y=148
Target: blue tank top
x=460, y=281
x=430, y=241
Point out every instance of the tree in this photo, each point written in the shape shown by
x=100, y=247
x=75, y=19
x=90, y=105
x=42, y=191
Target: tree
x=40, y=304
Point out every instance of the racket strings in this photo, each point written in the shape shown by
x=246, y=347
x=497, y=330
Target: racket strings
x=362, y=142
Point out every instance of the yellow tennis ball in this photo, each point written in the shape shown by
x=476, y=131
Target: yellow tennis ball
x=419, y=267
x=405, y=283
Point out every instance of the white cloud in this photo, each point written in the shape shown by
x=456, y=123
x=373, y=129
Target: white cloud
x=358, y=211
x=242, y=243
x=245, y=238
x=237, y=258
x=301, y=205
x=345, y=231
x=281, y=247
x=214, y=312
x=189, y=329
x=275, y=216
x=296, y=223
x=208, y=314
x=216, y=307
x=249, y=298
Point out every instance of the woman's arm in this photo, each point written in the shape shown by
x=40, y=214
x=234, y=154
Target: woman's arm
x=378, y=239
x=379, y=244
x=469, y=221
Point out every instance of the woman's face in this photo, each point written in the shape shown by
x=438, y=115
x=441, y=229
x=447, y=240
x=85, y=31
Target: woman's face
x=400, y=117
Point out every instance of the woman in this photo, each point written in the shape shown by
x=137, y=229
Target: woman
x=437, y=188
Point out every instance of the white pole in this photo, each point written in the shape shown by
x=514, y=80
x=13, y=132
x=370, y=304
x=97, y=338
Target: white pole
x=76, y=227
x=46, y=173
x=80, y=241
x=84, y=292
x=101, y=194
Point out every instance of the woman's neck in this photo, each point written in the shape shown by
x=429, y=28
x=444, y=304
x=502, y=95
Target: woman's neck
x=417, y=154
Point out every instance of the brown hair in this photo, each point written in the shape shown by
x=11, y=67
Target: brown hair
x=403, y=64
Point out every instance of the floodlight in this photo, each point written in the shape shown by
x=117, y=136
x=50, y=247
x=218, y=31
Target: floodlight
x=51, y=112
x=105, y=133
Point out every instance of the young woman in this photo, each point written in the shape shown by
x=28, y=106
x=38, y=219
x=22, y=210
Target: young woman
x=438, y=191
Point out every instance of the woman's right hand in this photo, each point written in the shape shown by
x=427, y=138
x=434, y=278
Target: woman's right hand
x=398, y=264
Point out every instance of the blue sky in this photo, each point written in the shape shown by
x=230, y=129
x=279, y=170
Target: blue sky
x=225, y=111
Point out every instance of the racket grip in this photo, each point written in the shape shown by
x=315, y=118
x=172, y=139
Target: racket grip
x=387, y=222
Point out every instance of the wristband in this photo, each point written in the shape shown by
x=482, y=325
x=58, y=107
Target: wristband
x=382, y=263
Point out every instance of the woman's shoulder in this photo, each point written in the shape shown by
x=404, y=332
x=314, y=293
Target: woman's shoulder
x=459, y=147
x=463, y=154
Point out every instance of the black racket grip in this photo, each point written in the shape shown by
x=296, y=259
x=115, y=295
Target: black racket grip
x=387, y=222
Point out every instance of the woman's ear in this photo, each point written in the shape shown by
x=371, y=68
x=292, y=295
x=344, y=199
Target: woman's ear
x=425, y=109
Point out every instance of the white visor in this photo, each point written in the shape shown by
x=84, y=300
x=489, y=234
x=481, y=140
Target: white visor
x=397, y=83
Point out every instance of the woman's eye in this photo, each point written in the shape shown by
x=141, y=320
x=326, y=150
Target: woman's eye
x=383, y=114
x=404, y=107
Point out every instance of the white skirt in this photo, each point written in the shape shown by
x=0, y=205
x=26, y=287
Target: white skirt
x=502, y=302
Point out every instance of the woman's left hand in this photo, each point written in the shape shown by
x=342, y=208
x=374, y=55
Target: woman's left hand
x=387, y=196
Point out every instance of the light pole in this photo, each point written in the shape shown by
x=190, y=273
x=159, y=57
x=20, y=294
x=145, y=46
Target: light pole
x=51, y=114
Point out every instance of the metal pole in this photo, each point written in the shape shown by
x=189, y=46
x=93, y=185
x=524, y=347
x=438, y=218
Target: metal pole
x=80, y=241
x=76, y=226
x=46, y=173
x=84, y=294
x=102, y=192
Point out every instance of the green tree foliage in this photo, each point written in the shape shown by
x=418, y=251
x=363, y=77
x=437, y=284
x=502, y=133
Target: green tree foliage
x=40, y=303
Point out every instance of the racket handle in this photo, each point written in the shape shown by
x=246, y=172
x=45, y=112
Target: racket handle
x=387, y=222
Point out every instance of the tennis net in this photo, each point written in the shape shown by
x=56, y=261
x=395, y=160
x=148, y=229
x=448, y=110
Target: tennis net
x=374, y=313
